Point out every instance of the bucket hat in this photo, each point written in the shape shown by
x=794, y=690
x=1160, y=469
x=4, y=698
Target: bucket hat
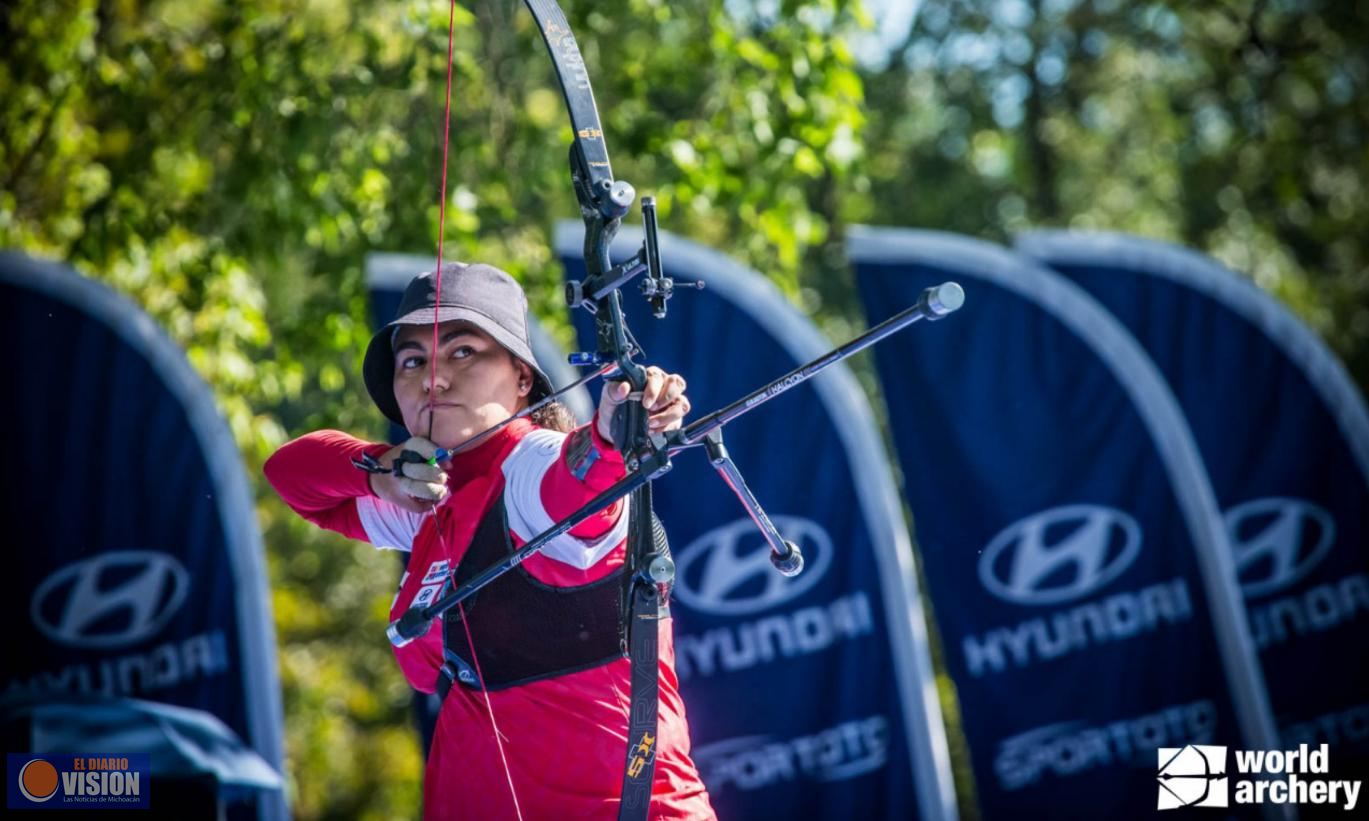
x=483, y=295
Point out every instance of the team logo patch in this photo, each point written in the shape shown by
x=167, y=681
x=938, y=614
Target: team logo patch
x=426, y=595
x=437, y=572
x=580, y=454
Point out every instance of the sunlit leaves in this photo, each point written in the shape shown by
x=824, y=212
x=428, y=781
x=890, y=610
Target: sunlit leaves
x=1235, y=128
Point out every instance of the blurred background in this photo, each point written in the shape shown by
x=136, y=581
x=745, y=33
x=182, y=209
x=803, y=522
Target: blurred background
x=228, y=165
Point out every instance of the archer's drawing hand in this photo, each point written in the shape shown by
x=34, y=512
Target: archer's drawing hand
x=663, y=397
x=414, y=484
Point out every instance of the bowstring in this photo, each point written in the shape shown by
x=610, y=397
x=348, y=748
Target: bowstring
x=432, y=386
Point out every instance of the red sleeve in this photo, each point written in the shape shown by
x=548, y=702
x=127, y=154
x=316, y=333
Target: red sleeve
x=315, y=476
x=588, y=465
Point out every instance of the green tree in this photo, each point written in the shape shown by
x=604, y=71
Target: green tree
x=1236, y=128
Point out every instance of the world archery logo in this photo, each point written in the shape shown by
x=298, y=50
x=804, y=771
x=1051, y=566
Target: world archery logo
x=1192, y=776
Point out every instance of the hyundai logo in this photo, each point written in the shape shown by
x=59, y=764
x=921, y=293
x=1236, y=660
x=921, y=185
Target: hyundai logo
x=727, y=571
x=1059, y=554
x=1277, y=541
x=112, y=600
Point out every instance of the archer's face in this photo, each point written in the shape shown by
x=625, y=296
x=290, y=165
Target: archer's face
x=478, y=383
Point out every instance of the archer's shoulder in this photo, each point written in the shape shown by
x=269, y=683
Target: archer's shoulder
x=536, y=446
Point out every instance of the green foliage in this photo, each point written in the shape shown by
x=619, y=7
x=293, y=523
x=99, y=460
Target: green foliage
x=1236, y=128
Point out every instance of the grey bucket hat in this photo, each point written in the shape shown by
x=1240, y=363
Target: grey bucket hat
x=481, y=294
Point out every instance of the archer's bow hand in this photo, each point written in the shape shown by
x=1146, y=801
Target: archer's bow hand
x=663, y=397
x=412, y=480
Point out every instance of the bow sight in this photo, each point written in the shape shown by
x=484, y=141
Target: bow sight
x=657, y=287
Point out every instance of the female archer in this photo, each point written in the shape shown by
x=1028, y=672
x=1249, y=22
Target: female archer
x=534, y=684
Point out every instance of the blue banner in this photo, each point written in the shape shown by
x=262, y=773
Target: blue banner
x=1285, y=437
x=1071, y=541
x=143, y=572
x=808, y=697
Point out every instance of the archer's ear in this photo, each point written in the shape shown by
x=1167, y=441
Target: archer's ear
x=525, y=377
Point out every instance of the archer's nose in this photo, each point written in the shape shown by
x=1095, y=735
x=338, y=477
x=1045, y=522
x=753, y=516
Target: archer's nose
x=438, y=383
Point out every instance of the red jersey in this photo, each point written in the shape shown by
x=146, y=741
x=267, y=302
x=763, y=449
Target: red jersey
x=565, y=737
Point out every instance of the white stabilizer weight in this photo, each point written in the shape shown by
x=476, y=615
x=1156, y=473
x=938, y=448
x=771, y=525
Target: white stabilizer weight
x=945, y=298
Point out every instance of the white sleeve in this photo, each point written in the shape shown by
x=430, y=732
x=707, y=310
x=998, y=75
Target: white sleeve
x=523, y=470
x=388, y=526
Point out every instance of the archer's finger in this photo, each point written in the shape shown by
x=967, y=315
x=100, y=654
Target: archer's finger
x=670, y=417
x=427, y=491
x=672, y=391
x=615, y=393
x=661, y=388
x=422, y=472
x=421, y=446
x=651, y=389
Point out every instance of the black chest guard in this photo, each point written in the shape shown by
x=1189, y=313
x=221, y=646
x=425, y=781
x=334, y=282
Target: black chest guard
x=525, y=630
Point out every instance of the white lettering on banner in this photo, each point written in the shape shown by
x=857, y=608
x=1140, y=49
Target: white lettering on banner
x=1348, y=726
x=1073, y=747
x=1113, y=618
x=786, y=635
x=847, y=750
x=164, y=666
x=1314, y=610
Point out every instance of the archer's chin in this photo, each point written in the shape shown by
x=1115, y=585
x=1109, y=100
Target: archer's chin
x=449, y=434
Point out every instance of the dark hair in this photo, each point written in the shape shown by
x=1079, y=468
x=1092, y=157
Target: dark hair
x=555, y=416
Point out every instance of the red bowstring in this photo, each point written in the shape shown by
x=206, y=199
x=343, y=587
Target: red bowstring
x=442, y=204
x=432, y=387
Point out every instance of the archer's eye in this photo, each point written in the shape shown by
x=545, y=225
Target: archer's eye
x=462, y=351
x=409, y=363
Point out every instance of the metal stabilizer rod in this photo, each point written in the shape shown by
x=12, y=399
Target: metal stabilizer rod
x=934, y=303
x=784, y=554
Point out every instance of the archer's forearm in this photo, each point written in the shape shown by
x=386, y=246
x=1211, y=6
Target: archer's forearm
x=314, y=475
